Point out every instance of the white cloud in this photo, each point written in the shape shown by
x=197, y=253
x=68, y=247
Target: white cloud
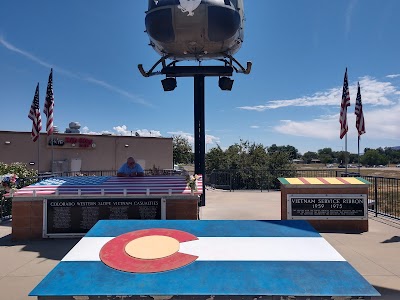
x=381, y=123
x=86, y=130
x=393, y=76
x=183, y=134
x=209, y=139
x=24, y=53
x=70, y=74
x=117, y=90
x=349, y=12
x=123, y=130
x=254, y=126
x=381, y=116
x=373, y=92
x=149, y=133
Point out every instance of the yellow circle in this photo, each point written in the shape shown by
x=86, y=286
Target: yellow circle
x=152, y=247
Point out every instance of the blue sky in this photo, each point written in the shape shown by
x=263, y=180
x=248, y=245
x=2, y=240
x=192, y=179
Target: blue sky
x=299, y=50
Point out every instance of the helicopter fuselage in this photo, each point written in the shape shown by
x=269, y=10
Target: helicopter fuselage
x=195, y=29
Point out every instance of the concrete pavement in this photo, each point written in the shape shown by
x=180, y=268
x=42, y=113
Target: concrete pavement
x=374, y=254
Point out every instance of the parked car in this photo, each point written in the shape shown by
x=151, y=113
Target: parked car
x=398, y=166
x=178, y=169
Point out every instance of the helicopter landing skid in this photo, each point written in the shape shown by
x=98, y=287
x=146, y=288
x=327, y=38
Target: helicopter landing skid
x=228, y=60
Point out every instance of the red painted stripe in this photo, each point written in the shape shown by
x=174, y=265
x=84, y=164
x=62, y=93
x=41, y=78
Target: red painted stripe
x=323, y=180
x=342, y=180
x=302, y=179
x=113, y=253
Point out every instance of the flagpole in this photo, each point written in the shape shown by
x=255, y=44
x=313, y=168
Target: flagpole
x=343, y=115
x=48, y=110
x=38, y=155
x=345, y=152
x=38, y=142
x=358, y=160
x=34, y=115
x=360, y=125
x=52, y=152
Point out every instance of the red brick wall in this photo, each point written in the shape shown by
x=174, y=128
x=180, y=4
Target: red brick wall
x=182, y=210
x=327, y=225
x=27, y=220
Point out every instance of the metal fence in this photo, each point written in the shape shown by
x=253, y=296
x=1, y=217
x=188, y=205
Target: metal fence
x=260, y=179
x=384, y=196
x=383, y=193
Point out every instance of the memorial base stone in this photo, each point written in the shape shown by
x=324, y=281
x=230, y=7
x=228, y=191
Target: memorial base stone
x=319, y=188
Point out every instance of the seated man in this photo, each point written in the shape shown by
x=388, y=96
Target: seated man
x=130, y=169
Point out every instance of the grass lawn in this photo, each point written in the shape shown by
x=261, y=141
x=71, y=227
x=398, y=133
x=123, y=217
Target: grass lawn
x=389, y=172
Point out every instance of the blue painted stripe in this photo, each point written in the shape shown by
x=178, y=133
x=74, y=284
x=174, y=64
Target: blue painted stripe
x=209, y=278
x=86, y=180
x=209, y=228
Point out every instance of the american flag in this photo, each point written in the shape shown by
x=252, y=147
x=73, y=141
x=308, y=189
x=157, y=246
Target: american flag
x=360, y=125
x=49, y=104
x=34, y=115
x=343, y=107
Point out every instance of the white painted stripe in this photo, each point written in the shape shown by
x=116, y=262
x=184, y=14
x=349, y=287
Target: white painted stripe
x=262, y=249
x=87, y=249
x=231, y=249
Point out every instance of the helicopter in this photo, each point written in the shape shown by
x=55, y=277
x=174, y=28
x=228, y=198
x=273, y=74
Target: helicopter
x=198, y=30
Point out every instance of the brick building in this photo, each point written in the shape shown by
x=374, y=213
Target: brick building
x=84, y=152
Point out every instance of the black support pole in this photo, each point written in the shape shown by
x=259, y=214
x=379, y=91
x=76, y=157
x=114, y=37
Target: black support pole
x=199, y=132
x=198, y=73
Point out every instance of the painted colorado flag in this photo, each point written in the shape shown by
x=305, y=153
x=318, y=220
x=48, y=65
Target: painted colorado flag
x=152, y=257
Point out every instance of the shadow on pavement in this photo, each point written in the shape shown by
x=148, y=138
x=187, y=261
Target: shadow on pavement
x=394, y=239
x=54, y=249
x=387, y=294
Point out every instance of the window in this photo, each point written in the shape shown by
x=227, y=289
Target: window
x=152, y=3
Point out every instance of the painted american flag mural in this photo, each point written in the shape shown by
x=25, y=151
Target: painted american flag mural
x=109, y=185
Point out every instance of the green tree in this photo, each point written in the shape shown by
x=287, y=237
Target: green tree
x=25, y=177
x=374, y=157
x=234, y=156
x=216, y=159
x=325, y=155
x=292, y=152
x=393, y=155
x=341, y=157
x=326, y=151
x=251, y=166
x=309, y=155
x=182, y=150
x=353, y=158
x=25, y=174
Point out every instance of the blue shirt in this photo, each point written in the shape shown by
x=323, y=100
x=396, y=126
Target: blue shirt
x=127, y=170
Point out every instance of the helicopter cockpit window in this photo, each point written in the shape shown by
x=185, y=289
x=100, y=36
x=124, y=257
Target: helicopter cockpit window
x=235, y=3
x=152, y=3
